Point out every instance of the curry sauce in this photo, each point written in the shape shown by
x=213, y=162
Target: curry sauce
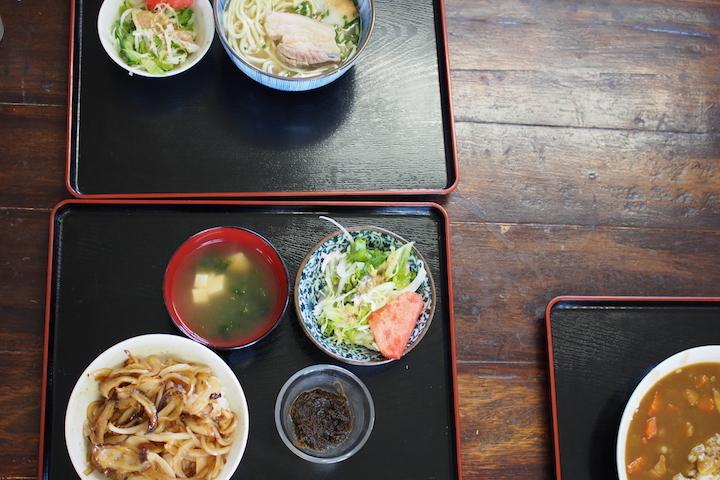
x=676, y=417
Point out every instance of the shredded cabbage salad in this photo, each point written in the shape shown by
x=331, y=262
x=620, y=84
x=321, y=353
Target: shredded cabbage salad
x=157, y=40
x=359, y=280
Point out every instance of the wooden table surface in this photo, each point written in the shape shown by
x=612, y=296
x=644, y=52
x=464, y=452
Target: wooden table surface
x=589, y=146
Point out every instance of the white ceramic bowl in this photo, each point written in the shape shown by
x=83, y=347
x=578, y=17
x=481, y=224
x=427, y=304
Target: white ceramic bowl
x=706, y=354
x=86, y=391
x=204, y=26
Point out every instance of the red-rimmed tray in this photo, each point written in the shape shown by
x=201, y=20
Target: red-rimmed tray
x=599, y=348
x=385, y=128
x=106, y=264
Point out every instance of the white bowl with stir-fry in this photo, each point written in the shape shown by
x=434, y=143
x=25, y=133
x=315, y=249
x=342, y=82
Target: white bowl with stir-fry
x=157, y=407
x=294, y=45
x=156, y=38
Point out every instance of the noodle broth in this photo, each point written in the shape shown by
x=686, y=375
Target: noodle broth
x=244, y=25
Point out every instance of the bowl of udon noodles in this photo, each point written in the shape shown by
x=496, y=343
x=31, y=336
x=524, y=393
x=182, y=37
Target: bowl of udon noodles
x=294, y=45
x=156, y=407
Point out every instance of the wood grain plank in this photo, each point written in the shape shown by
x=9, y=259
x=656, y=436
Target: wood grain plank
x=613, y=64
x=33, y=151
x=588, y=177
x=20, y=402
x=23, y=236
x=505, y=274
x=505, y=421
x=34, y=51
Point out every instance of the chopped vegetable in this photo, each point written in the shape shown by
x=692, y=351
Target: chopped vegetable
x=636, y=466
x=660, y=467
x=701, y=380
x=691, y=396
x=157, y=38
x=656, y=405
x=706, y=404
x=214, y=264
x=650, y=428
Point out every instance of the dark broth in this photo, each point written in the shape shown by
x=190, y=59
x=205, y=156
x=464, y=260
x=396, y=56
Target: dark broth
x=678, y=413
x=242, y=309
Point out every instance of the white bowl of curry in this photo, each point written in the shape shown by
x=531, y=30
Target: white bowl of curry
x=670, y=429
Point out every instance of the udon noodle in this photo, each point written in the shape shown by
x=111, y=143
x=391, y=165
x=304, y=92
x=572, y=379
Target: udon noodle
x=244, y=24
x=157, y=420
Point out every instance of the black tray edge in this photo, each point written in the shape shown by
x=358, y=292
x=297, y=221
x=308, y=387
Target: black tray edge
x=551, y=356
x=448, y=114
x=50, y=271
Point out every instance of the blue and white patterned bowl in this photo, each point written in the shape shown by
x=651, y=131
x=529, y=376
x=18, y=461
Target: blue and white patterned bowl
x=310, y=282
x=367, y=20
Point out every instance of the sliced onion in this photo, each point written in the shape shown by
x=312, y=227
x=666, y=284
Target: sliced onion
x=129, y=430
x=108, y=385
x=167, y=437
x=162, y=464
x=216, y=452
x=100, y=427
x=149, y=407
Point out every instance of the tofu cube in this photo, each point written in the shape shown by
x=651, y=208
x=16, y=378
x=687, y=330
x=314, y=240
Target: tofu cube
x=215, y=284
x=239, y=263
x=200, y=296
x=201, y=280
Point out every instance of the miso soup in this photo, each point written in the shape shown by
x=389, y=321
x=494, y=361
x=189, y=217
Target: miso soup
x=227, y=293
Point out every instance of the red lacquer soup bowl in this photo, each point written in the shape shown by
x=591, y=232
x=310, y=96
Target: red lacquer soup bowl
x=226, y=287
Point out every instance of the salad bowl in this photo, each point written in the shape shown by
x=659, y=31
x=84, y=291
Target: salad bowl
x=309, y=291
x=204, y=26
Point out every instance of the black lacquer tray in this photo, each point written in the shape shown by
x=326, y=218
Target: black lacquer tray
x=107, y=261
x=384, y=128
x=600, y=348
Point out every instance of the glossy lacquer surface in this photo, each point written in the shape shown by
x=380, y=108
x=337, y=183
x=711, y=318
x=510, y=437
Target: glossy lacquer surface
x=384, y=126
x=601, y=350
x=108, y=268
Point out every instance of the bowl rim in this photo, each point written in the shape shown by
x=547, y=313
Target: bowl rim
x=299, y=314
x=161, y=340
x=681, y=359
x=192, y=335
x=348, y=63
x=313, y=369
x=199, y=55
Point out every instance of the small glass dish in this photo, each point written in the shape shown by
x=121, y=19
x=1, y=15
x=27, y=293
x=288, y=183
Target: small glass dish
x=333, y=379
